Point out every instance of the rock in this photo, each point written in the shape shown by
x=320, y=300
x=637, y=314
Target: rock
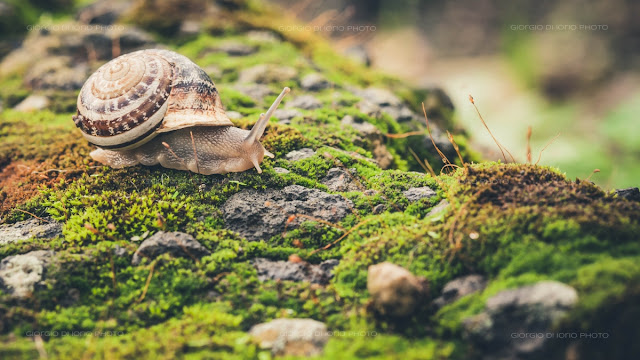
x=68, y=50
x=375, y=100
x=370, y=192
x=190, y=28
x=21, y=274
x=306, y=102
x=103, y=12
x=259, y=215
x=286, y=115
x=338, y=179
x=294, y=271
x=395, y=292
x=303, y=153
x=267, y=73
x=263, y=36
x=375, y=140
x=440, y=207
x=33, y=102
x=291, y=337
x=28, y=229
x=256, y=92
x=358, y=54
x=417, y=193
x=176, y=243
x=314, y=82
x=119, y=251
x=460, y=287
x=280, y=170
x=525, y=310
x=56, y=73
x=234, y=49
x=632, y=194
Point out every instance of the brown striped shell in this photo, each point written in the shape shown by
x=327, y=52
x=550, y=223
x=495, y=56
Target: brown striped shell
x=136, y=96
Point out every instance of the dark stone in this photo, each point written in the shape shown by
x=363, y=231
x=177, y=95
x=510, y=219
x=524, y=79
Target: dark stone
x=28, y=229
x=632, y=194
x=338, y=179
x=314, y=82
x=175, y=243
x=460, y=287
x=306, y=102
x=293, y=271
x=531, y=309
x=259, y=215
x=300, y=154
x=418, y=193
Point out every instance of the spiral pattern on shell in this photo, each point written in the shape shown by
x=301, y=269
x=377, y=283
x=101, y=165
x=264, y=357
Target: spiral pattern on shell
x=129, y=92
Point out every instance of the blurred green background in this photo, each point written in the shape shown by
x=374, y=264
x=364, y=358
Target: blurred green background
x=568, y=67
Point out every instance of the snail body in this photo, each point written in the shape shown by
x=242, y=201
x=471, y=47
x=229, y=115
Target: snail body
x=154, y=107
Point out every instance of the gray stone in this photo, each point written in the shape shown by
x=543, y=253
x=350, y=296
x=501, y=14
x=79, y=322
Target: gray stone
x=338, y=179
x=300, y=154
x=263, y=36
x=632, y=194
x=314, y=82
x=236, y=49
x=457, y=288
x=375, y=100
x=267, y=73
x=256, y=92
x=306, y=102
x=294, y=271
x=358, y=54
x=418, y=193
x=280, y=170
x=103, y=12
x=440, y=207
x=286, y=115
x=531, y=309
x=28, y=229
x=259, y=215
x=21, y=274
x=291, y=337
x=176, y=243
x=190, y=28
x=33, y=102
x=56, y=73
x=395, y=292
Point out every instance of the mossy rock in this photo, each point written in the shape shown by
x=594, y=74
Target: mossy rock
x=516, y=224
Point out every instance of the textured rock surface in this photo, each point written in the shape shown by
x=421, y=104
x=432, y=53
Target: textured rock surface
x=303, y=153
x=501, y=330
x=27, y=229
x=338, y=179
x=174, y=243
x=460, y=287
x=395, y=292
x=259, y=215
x=419, y=193
x=21, y=274
x=632, y=194
x=305, y=102
x=294, y=271
x=291, y=337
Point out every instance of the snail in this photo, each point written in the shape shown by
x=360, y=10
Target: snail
x=157, y=107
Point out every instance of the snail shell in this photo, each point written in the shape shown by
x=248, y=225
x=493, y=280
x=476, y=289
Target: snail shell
x=137, y=96
x=158, y=107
